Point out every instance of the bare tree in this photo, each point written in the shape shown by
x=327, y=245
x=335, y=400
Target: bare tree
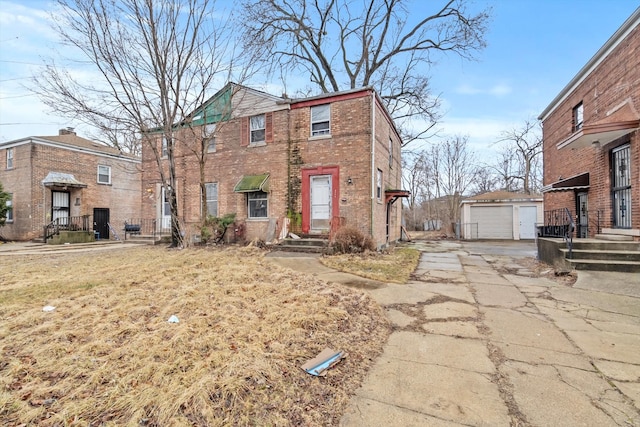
x=484, y=180
x=520, y=158
x=152, y=64
x=440, y=175
x=345, y=44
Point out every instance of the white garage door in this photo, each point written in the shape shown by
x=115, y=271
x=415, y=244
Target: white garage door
x=494, y=222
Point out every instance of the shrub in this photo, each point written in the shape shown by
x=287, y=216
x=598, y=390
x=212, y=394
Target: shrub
x=350, y=240
x=214, y=228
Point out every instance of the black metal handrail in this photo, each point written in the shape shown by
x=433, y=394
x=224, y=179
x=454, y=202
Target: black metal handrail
x=67, y=223
x=145, y=227
x=559, y=223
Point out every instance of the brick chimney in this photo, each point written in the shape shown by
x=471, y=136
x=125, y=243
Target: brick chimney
x=67, y=131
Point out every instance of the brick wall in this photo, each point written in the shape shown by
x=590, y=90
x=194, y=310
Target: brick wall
x=614, y=82
x=32, y=200
x=292, y=150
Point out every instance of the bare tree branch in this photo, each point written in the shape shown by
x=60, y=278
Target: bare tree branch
x=151, y=63
x=345, y=44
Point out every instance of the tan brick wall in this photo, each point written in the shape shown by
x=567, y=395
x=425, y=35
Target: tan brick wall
x=614, y=81
x=32, y=200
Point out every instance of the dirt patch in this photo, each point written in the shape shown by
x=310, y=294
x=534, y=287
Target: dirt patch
x=107, y=355
x=535, y=268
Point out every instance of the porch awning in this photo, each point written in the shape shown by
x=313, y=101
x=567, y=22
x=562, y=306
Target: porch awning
x=577, y=182
x=250, y=183
x=393, y=195
x=599, y=134
x=61, y=179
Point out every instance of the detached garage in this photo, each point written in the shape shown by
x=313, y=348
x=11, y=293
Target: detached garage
x=501, y=215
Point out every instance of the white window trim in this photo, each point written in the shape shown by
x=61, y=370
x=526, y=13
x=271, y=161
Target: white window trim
x=266, y=199
x=108, y=174
x=9, y=158
x=10, y=209
x=262, y=141
x=164, y=148
x=578, y=111
x=209, y=134
x=325, y=133
x=379, y=185
x=211, y=200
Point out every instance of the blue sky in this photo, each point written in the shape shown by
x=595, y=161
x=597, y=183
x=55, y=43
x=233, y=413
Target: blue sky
x=534, y=48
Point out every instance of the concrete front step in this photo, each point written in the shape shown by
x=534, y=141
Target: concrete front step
x=600, y=265
x=614, y=237
x=605, y=245
x=310, y=245
x=316, y=242
x=604, y=255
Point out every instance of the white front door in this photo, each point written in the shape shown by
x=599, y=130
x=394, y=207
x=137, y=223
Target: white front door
x=320, y=203
x=528, y=216
x=165, y=214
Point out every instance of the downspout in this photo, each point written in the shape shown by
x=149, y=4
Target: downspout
x=373, y=165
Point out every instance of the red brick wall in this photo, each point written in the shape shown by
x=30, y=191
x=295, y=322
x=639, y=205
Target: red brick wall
x=32, y=200
x=616, y=80
x=348, y=147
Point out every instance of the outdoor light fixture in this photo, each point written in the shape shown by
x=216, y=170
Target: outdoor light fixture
x=349, y=181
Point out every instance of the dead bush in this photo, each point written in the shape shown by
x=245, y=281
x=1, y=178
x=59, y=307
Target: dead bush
x=350, y=240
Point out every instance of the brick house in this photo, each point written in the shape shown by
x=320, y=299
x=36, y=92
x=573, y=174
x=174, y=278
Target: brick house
x=591, y=146
x=65, y=178
x=302, y=165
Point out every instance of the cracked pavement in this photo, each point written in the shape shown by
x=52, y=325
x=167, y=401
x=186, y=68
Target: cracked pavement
x=478, y=339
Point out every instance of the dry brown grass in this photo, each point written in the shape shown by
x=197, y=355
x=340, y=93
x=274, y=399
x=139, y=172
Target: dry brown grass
x=394, y=266
x=108, y=356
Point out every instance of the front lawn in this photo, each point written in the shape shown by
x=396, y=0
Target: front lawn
x=106, y=355
x=394, y=266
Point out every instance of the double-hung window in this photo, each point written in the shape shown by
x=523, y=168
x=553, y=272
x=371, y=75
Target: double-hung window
x=379, y=185
x=258, y=129
x=321, y=120
x=578, y=117
x=164, y=148
x=9, y=158
x=104, y=174
x=9, y=205
x=257, y=204
x=212, y=198
x=209, y=136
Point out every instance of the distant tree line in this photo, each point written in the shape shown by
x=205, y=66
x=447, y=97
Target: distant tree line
x=445, y=172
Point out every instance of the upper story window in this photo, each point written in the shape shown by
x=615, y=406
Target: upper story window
x=165, y=147
x=379, y=185
x=257, y=129
x=104, y=174
x=212, y=198
x=321, y=120
x=9, y=213
x=390, y=152
x=578, y=117
x=9, y=158
x=209, y=136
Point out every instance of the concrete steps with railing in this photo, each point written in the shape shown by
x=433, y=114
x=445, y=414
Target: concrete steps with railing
x=603, y=255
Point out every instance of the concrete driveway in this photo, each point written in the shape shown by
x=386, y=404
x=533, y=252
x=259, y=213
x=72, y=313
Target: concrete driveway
x=478, y=339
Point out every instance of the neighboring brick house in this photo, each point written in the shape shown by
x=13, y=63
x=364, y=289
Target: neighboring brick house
x=591, y=142
x=303, y=165
x=66, y=176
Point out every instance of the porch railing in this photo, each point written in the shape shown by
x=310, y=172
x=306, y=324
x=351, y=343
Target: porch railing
x=559, y=223
x=146, y=227
x=68, y=223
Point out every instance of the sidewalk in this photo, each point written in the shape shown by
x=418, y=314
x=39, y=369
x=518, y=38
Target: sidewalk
x=473, y=345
